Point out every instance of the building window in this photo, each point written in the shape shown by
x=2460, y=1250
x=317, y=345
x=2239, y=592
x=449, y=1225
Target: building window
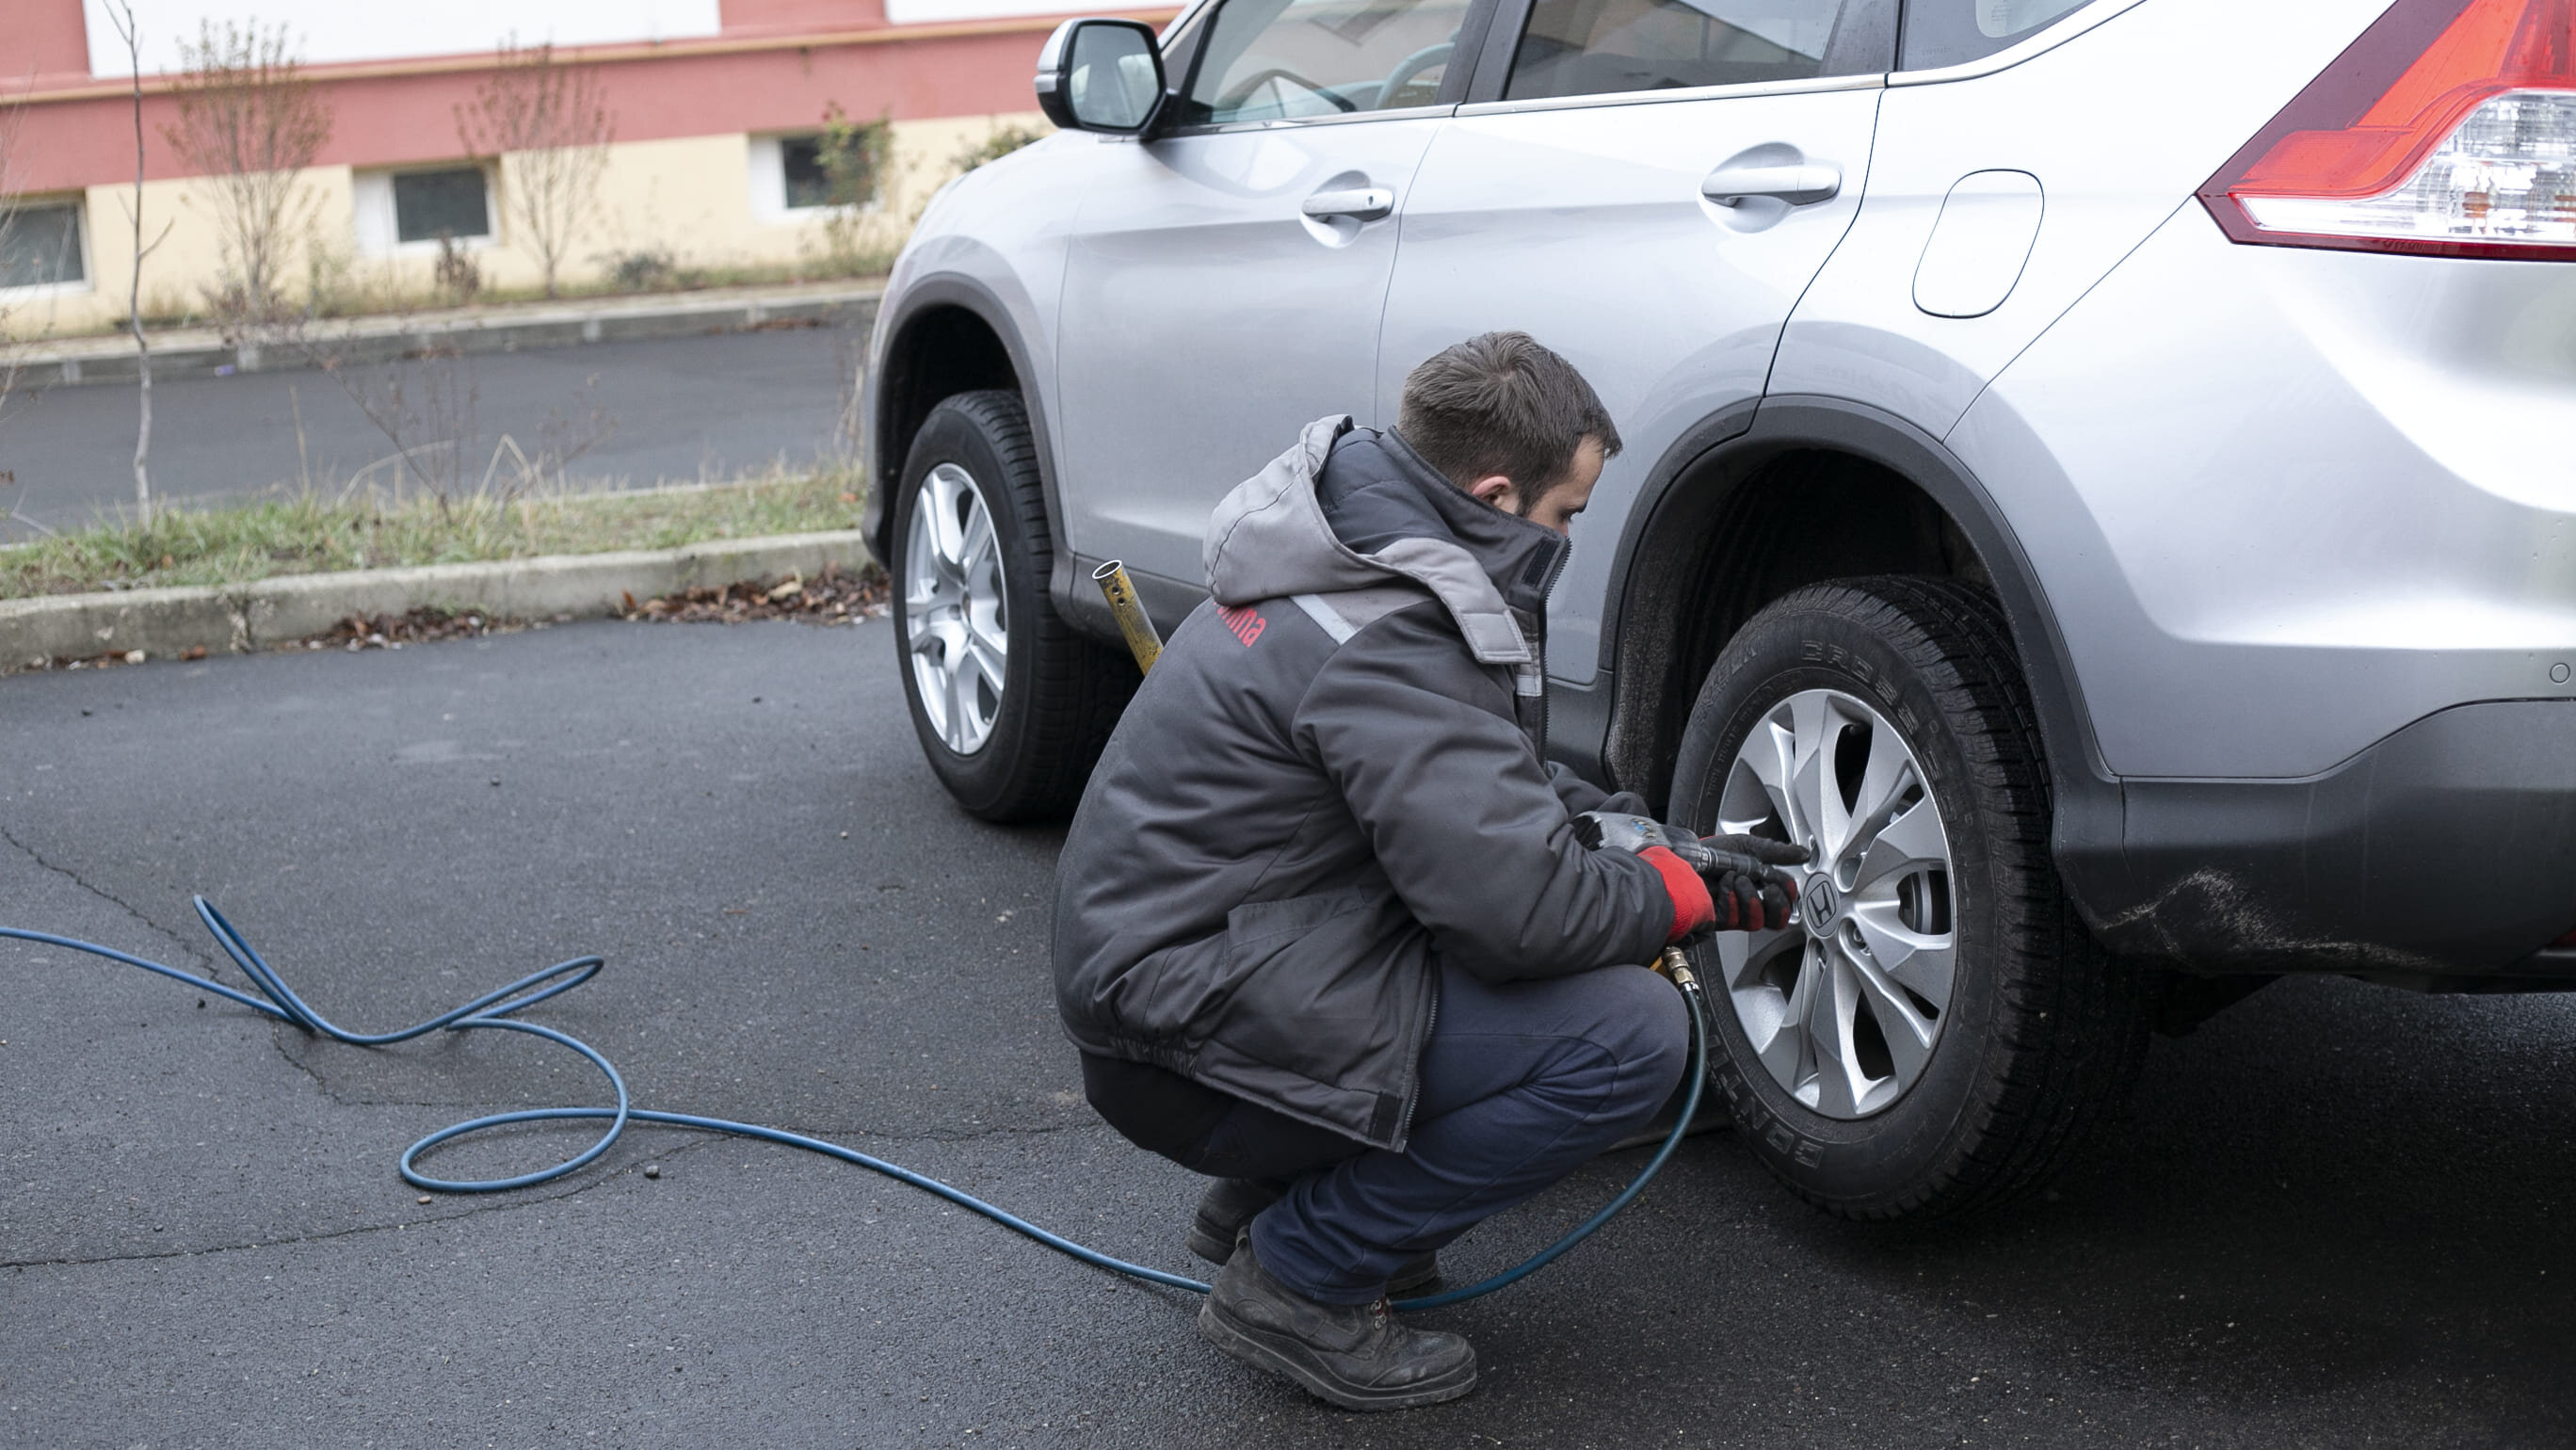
x=40, y=245
x=801, y=167
x=409, y=211
x=429, y=205
x=788, y=176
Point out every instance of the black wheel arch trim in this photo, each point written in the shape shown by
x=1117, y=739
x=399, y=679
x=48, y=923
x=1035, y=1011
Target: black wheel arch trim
x=930, y=294
x=2085, y=795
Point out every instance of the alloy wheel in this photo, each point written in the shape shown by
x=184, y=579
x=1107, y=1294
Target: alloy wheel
x=956, y=626
x=1845, y=1005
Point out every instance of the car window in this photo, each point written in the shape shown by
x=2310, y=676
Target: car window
x=1954, y=32
x=1267, y=60
x=1590, y=47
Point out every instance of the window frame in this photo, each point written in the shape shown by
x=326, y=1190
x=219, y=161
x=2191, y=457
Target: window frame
x=2039, y=42
x=765, y=171
x=376, y=219
x=78, y=205
x=1185, y=44
x=1484, y=95
x=1494, y=67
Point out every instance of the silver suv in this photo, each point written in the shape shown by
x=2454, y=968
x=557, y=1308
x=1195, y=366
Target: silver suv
x=2099, y=472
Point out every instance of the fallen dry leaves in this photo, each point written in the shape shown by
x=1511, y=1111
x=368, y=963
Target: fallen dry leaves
x=835, y=596
x=831, y=597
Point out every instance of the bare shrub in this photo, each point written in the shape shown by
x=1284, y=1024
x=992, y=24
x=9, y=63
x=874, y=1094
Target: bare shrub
x=857, y=161
x=549, y=124
x=458, y=276
x=249, y=123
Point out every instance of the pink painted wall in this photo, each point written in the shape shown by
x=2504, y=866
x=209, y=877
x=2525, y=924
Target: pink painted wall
x=766, y=17
x=395, y=119
x=44, y=42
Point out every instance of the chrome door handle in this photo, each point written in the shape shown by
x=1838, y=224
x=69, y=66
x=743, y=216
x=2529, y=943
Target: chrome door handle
x=1366, y=203
x=1800, y=185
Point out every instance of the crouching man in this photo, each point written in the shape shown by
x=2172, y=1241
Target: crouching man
x=1328, y=928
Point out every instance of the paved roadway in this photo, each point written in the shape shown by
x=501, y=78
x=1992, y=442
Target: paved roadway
x=2337, y=1216
x=674, y=408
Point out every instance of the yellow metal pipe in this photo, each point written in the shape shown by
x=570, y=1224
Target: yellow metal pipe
x=1142, y=641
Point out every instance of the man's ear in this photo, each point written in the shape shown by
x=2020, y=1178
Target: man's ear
x=1498, y=490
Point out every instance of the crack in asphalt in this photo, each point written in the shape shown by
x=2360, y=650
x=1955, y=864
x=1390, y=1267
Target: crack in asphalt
x=208, y=966
x=279, y=1043
x=513, y=1204
x=111, y=898
x=707, y=1138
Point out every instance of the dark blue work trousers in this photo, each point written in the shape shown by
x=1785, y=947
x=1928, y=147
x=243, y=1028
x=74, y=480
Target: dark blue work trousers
x=1521, y=1083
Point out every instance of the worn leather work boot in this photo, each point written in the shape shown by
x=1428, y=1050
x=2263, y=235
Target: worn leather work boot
x=1228, y=1206
x=1355, y=1356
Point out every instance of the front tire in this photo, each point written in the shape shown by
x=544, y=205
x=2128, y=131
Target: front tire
x=1936, y=1030
x=1010, y=704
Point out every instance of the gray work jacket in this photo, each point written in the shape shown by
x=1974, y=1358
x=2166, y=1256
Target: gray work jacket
x=1332, y=774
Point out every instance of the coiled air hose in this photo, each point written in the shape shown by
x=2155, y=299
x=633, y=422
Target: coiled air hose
x=495, y=1010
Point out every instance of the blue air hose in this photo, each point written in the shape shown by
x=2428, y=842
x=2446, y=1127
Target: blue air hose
x=494, y=1009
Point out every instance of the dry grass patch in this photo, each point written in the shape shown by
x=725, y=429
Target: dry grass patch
x=320, y=533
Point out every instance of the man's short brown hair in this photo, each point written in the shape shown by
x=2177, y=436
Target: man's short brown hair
x=1501, y=403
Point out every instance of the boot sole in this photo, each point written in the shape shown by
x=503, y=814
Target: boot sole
x=1208, y=1244
x=1264, y=1352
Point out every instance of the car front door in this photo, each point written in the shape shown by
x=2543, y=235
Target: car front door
x=1645, y=186
x=1225, y=278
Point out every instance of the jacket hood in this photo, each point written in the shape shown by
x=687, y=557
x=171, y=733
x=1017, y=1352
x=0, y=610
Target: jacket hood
x=1356, y=508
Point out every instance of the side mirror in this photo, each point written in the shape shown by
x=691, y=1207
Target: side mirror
x=1101, y=75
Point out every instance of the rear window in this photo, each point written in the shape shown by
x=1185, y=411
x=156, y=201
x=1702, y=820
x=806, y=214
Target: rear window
x=1954, y=32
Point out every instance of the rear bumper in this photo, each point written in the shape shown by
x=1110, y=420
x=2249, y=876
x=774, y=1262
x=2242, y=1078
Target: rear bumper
x=2447, y=849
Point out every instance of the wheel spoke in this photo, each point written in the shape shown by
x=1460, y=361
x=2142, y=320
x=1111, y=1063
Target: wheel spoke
x=947, y=531
x=1748, y=965
x=1785, y=1049
x=1769, y=758
x=1884, y=786
x=1839, y=1082
x=976, y=546
x=1922, y=963
x=986, y=654
x=965, y=706
x=1746, y=958
x=1911, y=841
x=1811, y=724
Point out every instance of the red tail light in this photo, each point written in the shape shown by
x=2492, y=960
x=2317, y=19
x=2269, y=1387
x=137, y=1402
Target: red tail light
x=2448, y=128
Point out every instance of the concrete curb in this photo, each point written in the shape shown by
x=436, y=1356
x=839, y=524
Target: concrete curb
x=164, y=623
x=377, y=339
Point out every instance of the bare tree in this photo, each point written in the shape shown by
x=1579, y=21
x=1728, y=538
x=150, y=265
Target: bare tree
x=120, y=13
x=549, y=126
x=249, y=123
x=11, y=345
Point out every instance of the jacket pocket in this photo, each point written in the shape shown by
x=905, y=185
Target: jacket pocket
x=1321, y=986
x=1258, y=921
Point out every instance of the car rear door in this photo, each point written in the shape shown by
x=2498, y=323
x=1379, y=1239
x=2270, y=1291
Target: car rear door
x=1645, y=186
x=1225, y=279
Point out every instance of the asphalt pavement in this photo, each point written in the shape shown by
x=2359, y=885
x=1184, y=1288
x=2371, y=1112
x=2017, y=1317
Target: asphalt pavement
x=2336, y=1216
x=673, y=409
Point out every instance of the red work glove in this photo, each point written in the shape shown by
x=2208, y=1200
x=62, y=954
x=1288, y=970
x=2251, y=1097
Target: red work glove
x=1740, y=875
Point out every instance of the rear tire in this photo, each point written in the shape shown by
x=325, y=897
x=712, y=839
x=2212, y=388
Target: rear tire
x=1937, y=1030
x=1010, y=704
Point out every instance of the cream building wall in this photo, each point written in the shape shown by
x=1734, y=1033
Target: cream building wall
x=692, y=199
